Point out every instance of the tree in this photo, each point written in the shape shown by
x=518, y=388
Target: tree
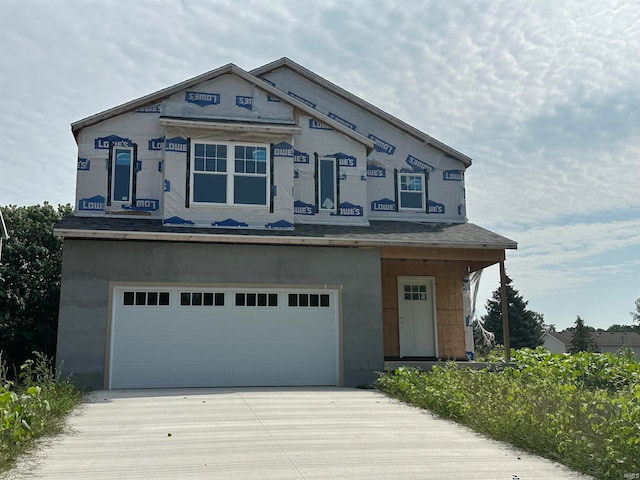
x=30, y=271
x=623, y=328
x=582, y=340
x=525, y=326
x=635, y=315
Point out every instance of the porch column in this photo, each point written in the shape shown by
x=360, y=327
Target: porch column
x=505, y=313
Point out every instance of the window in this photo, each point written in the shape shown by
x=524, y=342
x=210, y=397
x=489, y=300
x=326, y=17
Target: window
x=327, y=183
x=230, y=173
x=256, y=299
x=145, y=298
x=250, y=179
x=201, y=299
x=122, y=162
x=209, y=173
x=415, y=292
x=411, y=191
x=308, y=300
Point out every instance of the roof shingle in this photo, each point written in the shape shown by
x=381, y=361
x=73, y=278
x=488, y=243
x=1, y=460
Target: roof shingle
x=457, y=235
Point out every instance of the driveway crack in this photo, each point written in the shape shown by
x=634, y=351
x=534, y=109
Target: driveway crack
x=271, y=435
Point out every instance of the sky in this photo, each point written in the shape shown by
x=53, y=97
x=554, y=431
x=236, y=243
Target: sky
x=543, y=95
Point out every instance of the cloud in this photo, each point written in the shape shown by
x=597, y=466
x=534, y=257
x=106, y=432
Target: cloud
x=572, y=261
x=541, y=94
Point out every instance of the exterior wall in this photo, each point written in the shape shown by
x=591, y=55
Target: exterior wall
x=368, y=184
x=175, y=202
x=449, y=304
x=394, y=149
x=352, y=156
x=553, y=344
x=90, y=265
x=229, y=97
x=162, y=159
x=161, y=152
x=138, y=128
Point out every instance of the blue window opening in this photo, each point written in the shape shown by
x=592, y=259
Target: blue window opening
x=122, y=174
x=327, y=184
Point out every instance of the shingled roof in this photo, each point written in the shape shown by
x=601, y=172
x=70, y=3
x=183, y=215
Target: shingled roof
x=602, y=339
x=378, y=233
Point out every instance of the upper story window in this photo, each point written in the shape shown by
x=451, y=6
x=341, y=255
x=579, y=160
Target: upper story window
x=230, y=173
x=327, y=184
x=209, y=166
x=122, y=161
x=411, y=191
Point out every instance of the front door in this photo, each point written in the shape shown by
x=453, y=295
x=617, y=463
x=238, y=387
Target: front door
x=416, y=317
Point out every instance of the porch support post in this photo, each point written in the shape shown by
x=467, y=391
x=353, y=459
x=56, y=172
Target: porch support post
x=505, y=313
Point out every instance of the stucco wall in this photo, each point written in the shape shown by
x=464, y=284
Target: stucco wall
x=89, y=266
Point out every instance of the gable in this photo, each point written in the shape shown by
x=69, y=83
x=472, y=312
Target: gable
x=409, y=174
x=325, y=90
x=195, y=92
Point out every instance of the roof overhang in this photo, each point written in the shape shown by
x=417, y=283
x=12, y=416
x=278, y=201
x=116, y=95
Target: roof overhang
x=264, y=239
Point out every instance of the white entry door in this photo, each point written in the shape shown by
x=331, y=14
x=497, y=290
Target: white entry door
x=417, y=317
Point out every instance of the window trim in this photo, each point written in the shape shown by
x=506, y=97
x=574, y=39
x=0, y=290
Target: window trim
x=230, y=174
x=423, y=191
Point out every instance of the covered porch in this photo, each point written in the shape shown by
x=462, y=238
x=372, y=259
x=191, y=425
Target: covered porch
x=422, y=329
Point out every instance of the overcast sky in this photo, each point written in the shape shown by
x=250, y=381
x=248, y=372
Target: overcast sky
x=543, y=95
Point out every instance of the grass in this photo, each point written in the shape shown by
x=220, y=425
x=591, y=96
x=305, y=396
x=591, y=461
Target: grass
x=581, y=410
x=32, y=407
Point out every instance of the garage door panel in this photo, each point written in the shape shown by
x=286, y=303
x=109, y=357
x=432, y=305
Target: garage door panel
x=290, y=339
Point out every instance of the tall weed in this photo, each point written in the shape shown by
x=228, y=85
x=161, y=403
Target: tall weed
x=581, y=410
x=32, y=406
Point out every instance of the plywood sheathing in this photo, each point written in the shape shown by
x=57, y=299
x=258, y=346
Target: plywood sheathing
x=448, y=292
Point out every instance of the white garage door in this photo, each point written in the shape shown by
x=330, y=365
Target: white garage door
x=196, y=337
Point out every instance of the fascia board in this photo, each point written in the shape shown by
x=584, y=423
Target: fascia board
x=265, y=239
x=341, y=92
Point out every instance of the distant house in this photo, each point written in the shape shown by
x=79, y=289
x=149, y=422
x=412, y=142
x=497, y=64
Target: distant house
x=3, y=232
x=263, y=228
x=560, y=342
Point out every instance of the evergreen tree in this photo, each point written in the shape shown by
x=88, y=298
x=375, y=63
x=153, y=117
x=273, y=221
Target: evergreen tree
x=525, y=326
x=582, y=340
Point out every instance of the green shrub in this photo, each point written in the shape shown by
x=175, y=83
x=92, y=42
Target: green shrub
x=582, y=410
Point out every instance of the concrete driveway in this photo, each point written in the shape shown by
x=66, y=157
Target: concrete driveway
x=271, y=433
